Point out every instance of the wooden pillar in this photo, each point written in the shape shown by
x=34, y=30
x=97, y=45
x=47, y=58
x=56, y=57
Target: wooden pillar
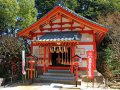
x=49, y=56
x=72, y=53
x=44, y=68
x=95, y=51
x=31, y=48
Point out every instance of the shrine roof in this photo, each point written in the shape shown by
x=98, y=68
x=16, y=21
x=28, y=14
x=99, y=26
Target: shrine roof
x=78, y=15
x=60, y=36
x=61, y=18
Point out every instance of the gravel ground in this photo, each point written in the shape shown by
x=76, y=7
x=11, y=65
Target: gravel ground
x=56, y=86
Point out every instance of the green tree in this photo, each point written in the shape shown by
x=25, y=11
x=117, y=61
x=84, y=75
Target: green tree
x=16, y=14
x=116, y=4
x=45, y=6
x=111, y=45
x=27, y=13
x=10, y=51
x=94, y=8
x=91, y=9
x=8, y=14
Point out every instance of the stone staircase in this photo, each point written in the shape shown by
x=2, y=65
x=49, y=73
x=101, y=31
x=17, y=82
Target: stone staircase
x=56, y=76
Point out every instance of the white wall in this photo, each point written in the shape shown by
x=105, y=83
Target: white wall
x=79, y=49
x=78, y=52
x=36, y=51
x=87, y=38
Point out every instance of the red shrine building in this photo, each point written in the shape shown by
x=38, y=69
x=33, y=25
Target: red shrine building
x=60, y=35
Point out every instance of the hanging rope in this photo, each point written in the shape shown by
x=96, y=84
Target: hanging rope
x=57, y=50
x=67, y=57
x=50, y=56
x=70, y=57
x=62, y=55
x=54, y=49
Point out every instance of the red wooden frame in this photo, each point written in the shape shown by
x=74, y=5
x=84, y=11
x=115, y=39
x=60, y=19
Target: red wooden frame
x=59, y=12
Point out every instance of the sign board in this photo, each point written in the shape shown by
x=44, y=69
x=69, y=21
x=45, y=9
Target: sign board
x=90, y=55
x=23, y=62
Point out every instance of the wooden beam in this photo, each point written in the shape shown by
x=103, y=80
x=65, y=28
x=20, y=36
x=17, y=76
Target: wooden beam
x=61, y=23
x=59, y=28
x=36, y=34
x=83, y=21
x=35, y=25
x=86, y=31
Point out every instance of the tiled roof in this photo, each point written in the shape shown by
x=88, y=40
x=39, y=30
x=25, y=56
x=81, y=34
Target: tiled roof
x=60, y=36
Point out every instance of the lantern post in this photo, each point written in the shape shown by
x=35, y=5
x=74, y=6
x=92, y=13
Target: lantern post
x=76, y=64
x=31, y=68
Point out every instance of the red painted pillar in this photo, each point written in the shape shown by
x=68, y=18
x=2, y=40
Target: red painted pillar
x=48, y=56
x=95, y=56
x=95, y=52
x=76, y=67
x=44, y=68
x=31, y=62
x=72, y=53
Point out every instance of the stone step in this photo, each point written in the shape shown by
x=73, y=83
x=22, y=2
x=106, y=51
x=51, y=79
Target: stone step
x=39, y=80
x=56, y=77
x=58, y=74
x=58, y=71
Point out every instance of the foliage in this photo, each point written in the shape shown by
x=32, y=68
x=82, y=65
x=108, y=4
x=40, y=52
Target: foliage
x=111, y=45
x=27, y=13
x=94, y=8
x=10, y=47
x=8, y=14
x=45, y=6
x=102, y=65
x=116, y=4
x=16, y=14
x=10, y=50
x=88, y=8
